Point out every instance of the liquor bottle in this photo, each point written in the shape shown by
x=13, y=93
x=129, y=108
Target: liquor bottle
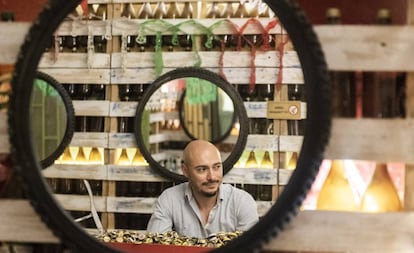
x=139, y=159
x=379, y=88
x=213, y=11
x=381, y=194
x=342, y=82
x=173, y=11
x=266, y=162
x=251, y=161
x=291, y=165
x=129, y=13
x=187, y=10
x=146, y=11
x=160, y=11
x=336, y=192
x=123, y=158
x=95, y=156
x=241, y=11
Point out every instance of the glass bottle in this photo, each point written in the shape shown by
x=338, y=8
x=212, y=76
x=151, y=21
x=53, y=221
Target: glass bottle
x=95, y=156
x=213, y=11
x=187, y=11
x=336, y=192
x=381, y=194
x=342, y=82
x=291, y=165
x=251, y=161
x=266, y=162
x=173, y=11
x=379, y=88
x=123, y=158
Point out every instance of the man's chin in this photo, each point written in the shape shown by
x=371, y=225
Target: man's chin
x=210, y=194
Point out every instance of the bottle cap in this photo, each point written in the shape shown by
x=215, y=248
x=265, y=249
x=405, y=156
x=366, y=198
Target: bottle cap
x=333, y=12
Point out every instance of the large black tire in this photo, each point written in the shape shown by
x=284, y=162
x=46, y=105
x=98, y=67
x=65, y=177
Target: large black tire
x=316, y=134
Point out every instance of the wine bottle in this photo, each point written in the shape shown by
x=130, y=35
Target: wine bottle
x=379, y=88
x=342, y=82
x=266, y=162
x=187, y=10
x=336, y=192
x=291, y=165
x=251, y=161
x=381, y=194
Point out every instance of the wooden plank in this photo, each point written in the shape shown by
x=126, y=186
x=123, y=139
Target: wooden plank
x=90, y=139
x=20, y=223
x=122, y=140
x=95, y=172
x=91, y=107
x=367, y=47
x=122, y=109
x=81, y=75
x=133, y=173
x=325, y=231
x=257, y=176
x=209, y=59
x=233, y=75
x=81, y=202
x=130, y=205
x=12, y=34
x=372, y=139
x=75, y=60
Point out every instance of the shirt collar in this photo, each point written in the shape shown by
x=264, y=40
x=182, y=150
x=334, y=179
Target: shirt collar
x=189, y=194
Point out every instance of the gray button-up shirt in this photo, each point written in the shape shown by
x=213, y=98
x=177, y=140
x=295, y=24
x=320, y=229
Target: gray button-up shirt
x=177, y=210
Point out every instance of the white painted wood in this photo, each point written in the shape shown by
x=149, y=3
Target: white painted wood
x=84, y=27
x=12, y=34
x=233, y=75
x=372, y=139
x=133, y=173
x=130, y=205
x=74, y=60
x=209, y=59
x=90, y=139
x=79, y=75
x=122, y=109
x=121, y=140
x=84, y=171
x=91, y=107
x=81, y=202
x=290, y=142
x=20, y=223
x=366, y=47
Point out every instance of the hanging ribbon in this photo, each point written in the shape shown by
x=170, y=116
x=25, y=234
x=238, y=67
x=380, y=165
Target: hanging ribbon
x=281, y=49
x=235, y=29
x=159, y=63
x=84, y=6
x=200, y=91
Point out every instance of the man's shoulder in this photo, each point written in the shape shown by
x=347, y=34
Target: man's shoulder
x=174, y=190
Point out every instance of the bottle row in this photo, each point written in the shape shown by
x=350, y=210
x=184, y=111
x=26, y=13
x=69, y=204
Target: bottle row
x=176, y=10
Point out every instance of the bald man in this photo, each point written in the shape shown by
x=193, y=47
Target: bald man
x=204, y=205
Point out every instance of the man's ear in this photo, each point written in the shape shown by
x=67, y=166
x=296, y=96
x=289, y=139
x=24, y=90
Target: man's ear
x=184, y=169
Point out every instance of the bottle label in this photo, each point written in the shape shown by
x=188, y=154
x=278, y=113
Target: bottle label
x=290, y=110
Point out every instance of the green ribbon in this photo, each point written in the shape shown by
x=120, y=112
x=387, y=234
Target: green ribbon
x=200, y=91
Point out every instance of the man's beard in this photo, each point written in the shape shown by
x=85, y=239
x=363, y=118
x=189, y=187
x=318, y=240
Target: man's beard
x=210, y=194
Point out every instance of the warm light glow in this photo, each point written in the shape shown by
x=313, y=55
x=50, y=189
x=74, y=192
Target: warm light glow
x=266, y=162
x=291, y=165
x=336, y=192
x=251, y=161
x=123, y=158
x=139, y=159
